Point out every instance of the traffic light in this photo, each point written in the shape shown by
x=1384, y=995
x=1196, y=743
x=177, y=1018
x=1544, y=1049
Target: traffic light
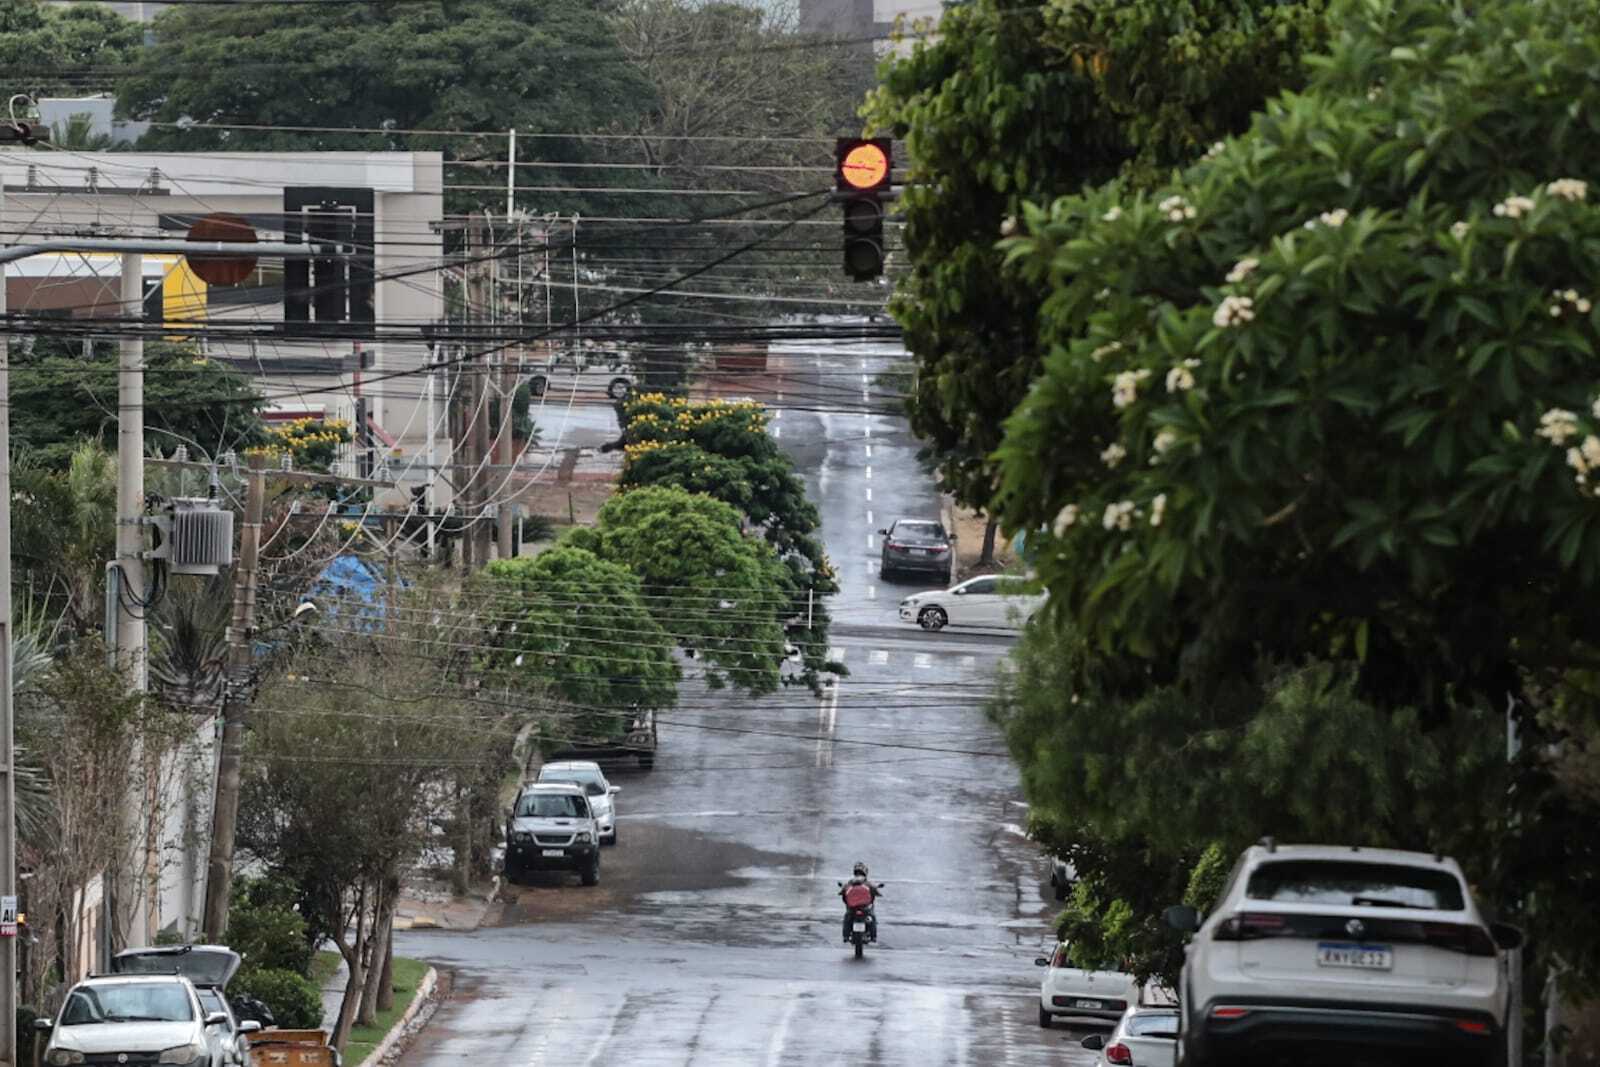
x=861, y=180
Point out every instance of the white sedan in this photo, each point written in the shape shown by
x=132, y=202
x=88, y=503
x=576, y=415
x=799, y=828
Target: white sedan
x=989, y=600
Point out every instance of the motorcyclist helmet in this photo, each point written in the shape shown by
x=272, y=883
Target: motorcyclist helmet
x=860, y=870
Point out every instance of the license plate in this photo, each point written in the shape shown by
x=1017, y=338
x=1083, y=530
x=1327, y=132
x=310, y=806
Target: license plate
x=859, y=928
x=554, y=852
x=1086, y=1004
x=1356, y=957
x=919, y=552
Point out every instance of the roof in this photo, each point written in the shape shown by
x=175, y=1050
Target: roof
x=553, y=787
x=570, y=765
x=140, y=978
x=1347, y=853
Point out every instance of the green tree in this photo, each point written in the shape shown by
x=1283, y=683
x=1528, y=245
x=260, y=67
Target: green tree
x=568, y=619
x=712, y=589
x=1132, y=89
x=64, y=530
x=1312, y=461
x=46, y=49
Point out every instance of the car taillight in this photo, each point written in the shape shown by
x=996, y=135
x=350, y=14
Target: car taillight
x=940, y=548
x=1250, y=925
x=1225, y=1013
x=1119, y=1053
x=1472, y=1026
x=893, y=544
x=1459, y=937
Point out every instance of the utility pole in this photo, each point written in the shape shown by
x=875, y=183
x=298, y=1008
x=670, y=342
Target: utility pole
x=8, y=796
x=235, y=702
x=478, y=429
x=130, y=480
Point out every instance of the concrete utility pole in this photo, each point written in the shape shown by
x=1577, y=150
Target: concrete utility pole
x=235, y=703
x=8, y=793
x=478, y=299
x=130, y=482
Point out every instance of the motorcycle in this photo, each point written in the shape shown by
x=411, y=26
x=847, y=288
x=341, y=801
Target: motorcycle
x=863, y=918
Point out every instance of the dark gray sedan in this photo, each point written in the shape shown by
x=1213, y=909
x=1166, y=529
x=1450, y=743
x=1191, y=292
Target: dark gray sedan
x=916, y=546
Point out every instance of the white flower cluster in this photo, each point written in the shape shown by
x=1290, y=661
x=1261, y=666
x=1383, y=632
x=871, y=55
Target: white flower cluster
x=1125, y=389
x=1008, y=226
x=1572, y=299
x=1556, y=425
x=1569, y=189
x=1513, y=207
x=1176, y=209
x=1334, y=218
x=1112, y=215
x=1216, y=150
x=1234, y=311
x=1584, y=459
x=1066, y=518
x=1242, y=270
x=1105, y=350
x=1118, y=516
x=1163, y=443
x=1113, y=454
x=1459, y=230
x=1180, y=379
x=1158, y=509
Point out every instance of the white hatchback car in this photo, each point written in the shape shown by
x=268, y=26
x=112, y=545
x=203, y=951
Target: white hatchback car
x=1336, y=954
x=588, y=775
x=1101, y=992
x=992, y=600
x=1144, y=1037
x=136, y=1018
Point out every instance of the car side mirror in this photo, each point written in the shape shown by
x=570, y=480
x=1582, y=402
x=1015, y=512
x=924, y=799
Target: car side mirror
x=1182, y=918
x=217, y=1018
x=44, y=1026
x=884, y=532
x=1506, y=937
x=1094, y=1042
x=250, y=1026
x=615, y=790
x=1041, y=961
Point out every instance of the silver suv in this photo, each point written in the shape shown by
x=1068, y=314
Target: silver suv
x=1339, y=955
x=552, y=828
x=136, y=1019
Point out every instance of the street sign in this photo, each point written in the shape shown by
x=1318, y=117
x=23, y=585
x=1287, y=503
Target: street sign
x=222, y=270
x=8, y=916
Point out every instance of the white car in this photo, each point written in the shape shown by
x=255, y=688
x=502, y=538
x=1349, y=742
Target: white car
x=1342, y=952
x=137, y=1019
x=1096, y=992
x=587, y=773
x=989, y=600
x=1144, y=1037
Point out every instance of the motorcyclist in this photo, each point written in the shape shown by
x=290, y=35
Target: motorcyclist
x=858, y=880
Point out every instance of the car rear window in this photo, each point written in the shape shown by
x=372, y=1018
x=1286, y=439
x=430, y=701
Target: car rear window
x=919, y=529
x=1346, y=882
x=1156, y=1024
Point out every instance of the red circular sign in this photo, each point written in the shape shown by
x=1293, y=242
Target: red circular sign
x=865, y=166
x=222, y=269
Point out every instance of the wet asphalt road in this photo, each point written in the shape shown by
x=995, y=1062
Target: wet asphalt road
x=714, y=935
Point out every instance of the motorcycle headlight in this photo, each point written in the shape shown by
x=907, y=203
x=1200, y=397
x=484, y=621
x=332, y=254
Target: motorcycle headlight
x=61, y=1057
x=584, y=838
x=183, y=1054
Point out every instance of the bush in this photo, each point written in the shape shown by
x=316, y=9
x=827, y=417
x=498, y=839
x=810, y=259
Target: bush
x=295, y=1000
x=265, y=928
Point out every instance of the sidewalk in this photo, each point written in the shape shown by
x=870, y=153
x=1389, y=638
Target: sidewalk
x=423, y=909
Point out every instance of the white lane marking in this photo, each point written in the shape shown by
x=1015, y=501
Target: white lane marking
x=866, y=431
x=869, y=451
x=780, y=1033
x=872, y=592
x=863, y=379
x=777, y=433
x=869, y=493
x=872, y=541
x=878, y=656
x=833, y=711
x=969, y=662
x=777, y=413
x=827, y=720
x=869, y=473
x=595, y=1053
x=836, y=654
x=869, y=516
x=923, y=659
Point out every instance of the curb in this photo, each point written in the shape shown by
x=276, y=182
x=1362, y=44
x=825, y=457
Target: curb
x=396, y=1032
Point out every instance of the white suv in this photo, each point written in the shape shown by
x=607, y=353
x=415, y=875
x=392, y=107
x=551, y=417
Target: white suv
x=1334, y=954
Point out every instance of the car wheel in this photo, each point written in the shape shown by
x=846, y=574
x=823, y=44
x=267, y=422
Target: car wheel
x=646, y=761
x=932, y=619
x=612, y=840
x=619, y=388
x=591, y=873
x=1044, y=1017
x=946, y=579
x=1061, y=890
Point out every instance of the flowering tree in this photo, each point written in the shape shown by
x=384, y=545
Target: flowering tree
x=1319, y=430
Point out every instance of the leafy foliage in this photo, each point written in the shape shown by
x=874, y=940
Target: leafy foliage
x=581, y=624
x=1310, y=458
x=265, y=928
x=43, y=45
x=295, y=1000
x=1133, y=89
x=712, y=589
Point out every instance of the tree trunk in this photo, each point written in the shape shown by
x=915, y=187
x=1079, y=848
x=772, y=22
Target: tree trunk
x=386, y=963
x=989, y=530
x=460, y=876
x=353, y=955
x=382, y=915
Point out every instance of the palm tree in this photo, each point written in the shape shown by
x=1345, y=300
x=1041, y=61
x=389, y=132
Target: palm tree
x=189, y=646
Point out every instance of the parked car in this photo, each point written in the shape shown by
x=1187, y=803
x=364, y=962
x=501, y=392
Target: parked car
x=1063, y=876
x=991, y=600
x=552, y=828
x=601, y=793
x=1334, y=954
x=1144, y=1037
x=137, y=1019
x=919, y=545
x=1101, y=990
x=567, y=372
x=209, y=969
x=639, y=743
